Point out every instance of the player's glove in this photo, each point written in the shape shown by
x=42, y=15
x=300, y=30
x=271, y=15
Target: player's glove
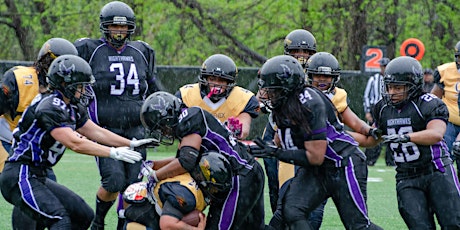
x=147, y=171
x=456, y=148
x=375, y=133
x=396, y=138
x=125, y=154
x=234, y=125
x=262, y=149
x=143, y=142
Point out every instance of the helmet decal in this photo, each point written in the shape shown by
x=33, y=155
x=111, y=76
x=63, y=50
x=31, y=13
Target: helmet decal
x=66, y=72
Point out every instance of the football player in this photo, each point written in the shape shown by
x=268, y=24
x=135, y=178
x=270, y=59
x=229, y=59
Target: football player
x=162, y=205
x=300, y=44
x=124, y=72
x=19, y=86
x=323, y=73
x=310, y=136
x=175, y=197
x=45, y=130
x=413, y=124
x=218, y=94
x=446, y=80
x=199, y=131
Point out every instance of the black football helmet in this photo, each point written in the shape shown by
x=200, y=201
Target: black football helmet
x=218, y=65
x=213, y=175
x=56, y=47
x=278, y=77
x=457, y=53
x=66, y=73
x=300, y=40
x=118, y=13
x=406, y=71
x=50, y=50
x=160, y=115
x=323, y=63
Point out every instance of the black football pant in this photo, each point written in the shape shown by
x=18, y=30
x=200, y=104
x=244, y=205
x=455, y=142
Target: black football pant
x=434, y=193
x=345, y=185
x=271, y=169
x=245, y=203
x=50, y=204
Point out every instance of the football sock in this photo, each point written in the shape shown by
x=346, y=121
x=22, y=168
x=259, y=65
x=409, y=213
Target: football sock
x=102, y=207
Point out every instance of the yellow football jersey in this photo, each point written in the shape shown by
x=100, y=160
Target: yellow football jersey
x=231, y=106
x=187, y=181
x=27, y=80
x=450, y=77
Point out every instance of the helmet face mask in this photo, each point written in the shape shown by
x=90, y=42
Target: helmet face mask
x=117, y=14
x=323, y=71
x=402, y=71
x=73, y=76
x=213, y=175
x=160, y=115
x=272, y=97
x=397, y=93
x=278, y=77
x=214, y=71
x=84, y=91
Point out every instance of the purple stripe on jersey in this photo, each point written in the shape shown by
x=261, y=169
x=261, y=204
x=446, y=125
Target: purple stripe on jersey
x=436, y=156
x=355, y=190
x=213, y=141
x=27, y=192
x=229, y=207
x=92, y=109
x=29, y=140
x=333, y=156
x=322, y=130
x=334, y=135
x=455, y=178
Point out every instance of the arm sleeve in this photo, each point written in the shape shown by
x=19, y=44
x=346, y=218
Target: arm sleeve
x=10, y=93
x=252, y=107
x=437, y=79
x=318, y=119
x=50, y=116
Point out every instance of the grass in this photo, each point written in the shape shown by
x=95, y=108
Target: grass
x=80, y=174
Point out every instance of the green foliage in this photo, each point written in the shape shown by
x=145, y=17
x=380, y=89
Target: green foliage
x=186, y=32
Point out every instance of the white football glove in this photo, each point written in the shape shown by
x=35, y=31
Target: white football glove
x=125, y=154
x=148, y=141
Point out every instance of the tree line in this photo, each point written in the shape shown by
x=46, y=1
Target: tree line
x=186, y=32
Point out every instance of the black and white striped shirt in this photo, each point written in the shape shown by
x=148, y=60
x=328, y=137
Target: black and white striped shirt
x=372, y=93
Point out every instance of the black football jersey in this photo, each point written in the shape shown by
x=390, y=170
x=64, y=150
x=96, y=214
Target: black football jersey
x=33, y=142
x=123, y=80
x=324, y=125
x=413, y=117
x=215, y=136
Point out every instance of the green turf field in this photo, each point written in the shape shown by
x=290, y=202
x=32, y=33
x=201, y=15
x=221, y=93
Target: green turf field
x=80, y=174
